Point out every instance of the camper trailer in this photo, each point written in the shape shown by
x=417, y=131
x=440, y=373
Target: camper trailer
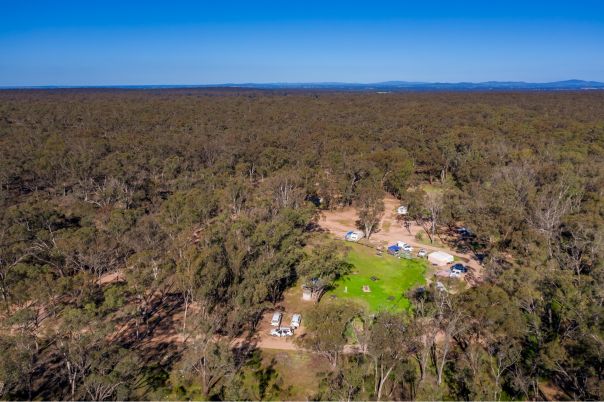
x=354, y=235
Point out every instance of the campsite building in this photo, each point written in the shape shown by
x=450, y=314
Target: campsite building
x=440, y=258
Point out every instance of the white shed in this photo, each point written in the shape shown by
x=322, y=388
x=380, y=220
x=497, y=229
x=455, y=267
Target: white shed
x=440, y=258
x=306, y=294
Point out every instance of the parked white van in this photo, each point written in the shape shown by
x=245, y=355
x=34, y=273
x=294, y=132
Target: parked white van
x=276, y=321
x=404, y=246
x=402, y=210
x=296, y=318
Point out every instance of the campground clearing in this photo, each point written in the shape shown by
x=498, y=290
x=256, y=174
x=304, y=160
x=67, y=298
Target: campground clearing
x=390, y=231
x=388, y=279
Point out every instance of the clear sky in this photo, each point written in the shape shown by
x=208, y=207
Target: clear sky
x=88, y=42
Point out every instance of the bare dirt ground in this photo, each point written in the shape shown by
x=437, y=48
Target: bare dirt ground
x=111, y=277
x=265, y=341
x=340, y=221
x=550, y=392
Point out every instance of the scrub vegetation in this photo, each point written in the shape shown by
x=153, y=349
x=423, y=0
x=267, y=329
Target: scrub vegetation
x=146, y=234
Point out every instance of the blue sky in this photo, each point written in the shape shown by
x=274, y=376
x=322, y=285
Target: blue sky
x=209, y=42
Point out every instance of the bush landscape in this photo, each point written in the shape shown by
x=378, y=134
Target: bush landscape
x=146, y=237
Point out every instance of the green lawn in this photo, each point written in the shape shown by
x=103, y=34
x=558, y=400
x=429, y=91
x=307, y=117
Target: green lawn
x=395, y=277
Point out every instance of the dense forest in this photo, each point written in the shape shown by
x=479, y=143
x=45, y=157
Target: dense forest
x=123, y=209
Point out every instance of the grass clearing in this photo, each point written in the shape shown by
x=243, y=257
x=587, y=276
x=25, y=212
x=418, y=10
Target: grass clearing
x=432, y=188
x=394, y=278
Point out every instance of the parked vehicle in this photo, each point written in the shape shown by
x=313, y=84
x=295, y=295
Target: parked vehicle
x=459, y=268
x=440, y=287
x=465, y=232
x=296, y=318
x=404, y=246
x=283, y=331
x=394, y=250
x=422, y=253
x=354, y=235
x=454, y=274
x=276, y=320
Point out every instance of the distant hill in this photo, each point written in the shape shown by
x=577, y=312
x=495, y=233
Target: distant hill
x=430, y=86
x=387, y=86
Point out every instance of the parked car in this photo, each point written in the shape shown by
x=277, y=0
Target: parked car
x=276, y=320
x=283, y=331
x=459, y=268
x=454, y=274
x=296, y=318
x=422, y=252
x=465, y=232
x=404, y=246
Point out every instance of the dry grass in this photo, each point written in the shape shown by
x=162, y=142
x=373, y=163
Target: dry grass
x=298, y=372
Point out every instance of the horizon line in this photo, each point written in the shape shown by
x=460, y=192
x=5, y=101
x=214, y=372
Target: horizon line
x=394, y=84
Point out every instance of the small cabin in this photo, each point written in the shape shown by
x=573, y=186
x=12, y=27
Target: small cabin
x=306, y=294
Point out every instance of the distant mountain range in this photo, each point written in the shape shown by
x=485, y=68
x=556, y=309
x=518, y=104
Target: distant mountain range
x=387, y=86
x=429, y=86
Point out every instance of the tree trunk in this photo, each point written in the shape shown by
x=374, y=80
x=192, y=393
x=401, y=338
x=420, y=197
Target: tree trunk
x=377, y=379
x=368, y=228
x=184, y=320
x=383, y=381
x=422, y=367
x=441, y=366
x=72, y=379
